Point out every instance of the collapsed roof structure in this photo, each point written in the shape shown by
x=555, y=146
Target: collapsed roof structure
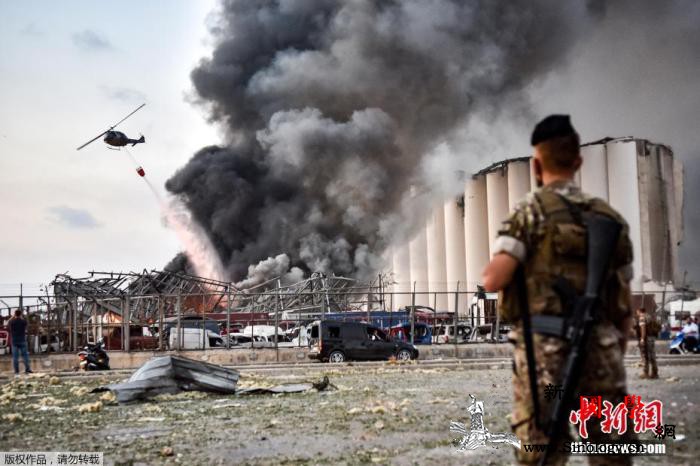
x=147, y=292
x=144, y=292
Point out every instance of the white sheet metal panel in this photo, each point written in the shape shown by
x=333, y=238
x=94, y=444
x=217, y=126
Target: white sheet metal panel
x=455, y=248
x=518, y=182
x=623, y=195
x=476, y=230
x=497, y=203
x=402, y=276
x=594, y=171
x=437, y=262
x=418, y=247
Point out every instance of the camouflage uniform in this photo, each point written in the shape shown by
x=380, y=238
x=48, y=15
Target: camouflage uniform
x=647, y=349
x=543, y=235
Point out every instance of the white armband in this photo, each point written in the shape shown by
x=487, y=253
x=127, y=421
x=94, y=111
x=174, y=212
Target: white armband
x=511, y=246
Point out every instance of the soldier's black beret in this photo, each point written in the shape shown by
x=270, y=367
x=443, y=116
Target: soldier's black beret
x=553, y=126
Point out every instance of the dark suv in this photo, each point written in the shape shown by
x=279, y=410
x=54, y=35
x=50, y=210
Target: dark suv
x=337, y=341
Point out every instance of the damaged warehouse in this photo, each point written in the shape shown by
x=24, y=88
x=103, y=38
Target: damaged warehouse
x=86, y=309
x=433, y=275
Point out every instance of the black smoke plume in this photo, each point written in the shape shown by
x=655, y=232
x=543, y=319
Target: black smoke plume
x=331, y=109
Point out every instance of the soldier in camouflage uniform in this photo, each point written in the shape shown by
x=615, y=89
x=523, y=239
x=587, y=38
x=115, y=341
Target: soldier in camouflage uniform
x=647, y=328
x=545, y=236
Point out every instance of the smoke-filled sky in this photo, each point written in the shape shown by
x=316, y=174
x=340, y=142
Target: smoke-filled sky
x=331, y=109
x=314, y=118
x=336, y=111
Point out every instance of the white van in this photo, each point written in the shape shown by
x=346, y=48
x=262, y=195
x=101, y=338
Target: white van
x=446, y=333
x=195, y=338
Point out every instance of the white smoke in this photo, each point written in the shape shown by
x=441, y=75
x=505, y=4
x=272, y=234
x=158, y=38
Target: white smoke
x=197, y=245
x=270, y=268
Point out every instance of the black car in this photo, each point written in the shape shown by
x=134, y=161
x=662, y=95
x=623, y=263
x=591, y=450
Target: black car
x=337, y=341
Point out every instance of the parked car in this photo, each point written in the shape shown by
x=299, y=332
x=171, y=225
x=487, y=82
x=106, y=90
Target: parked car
x=445, y=333
x=402, y=332
x=140, y=338
x=484, y=333
x=337, y=341
x=41, y=344
x=4, y=341
x=258, y=341
x=192, y=321
x=267, y=332
x=195, y=338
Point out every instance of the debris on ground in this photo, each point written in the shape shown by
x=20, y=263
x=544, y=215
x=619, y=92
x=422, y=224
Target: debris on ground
x=151, y=419
x=388, y=407
x=319, y=386
x=306, y=428
x=95, y=407
x=171, y=375
x=54, y=380
x=51, y=401
x=108, y=397
x=378, y=409
x=438, y=401
x=153, y=409
x=167, y=451
x=13, y=417
x=79, y=391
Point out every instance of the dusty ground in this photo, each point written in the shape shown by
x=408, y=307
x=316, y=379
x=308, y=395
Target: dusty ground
x=386, y=415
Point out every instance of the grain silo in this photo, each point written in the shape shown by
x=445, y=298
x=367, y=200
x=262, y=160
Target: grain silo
x=639, y=178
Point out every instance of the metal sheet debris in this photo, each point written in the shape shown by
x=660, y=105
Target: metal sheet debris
x=173, y=374
x=320, y=386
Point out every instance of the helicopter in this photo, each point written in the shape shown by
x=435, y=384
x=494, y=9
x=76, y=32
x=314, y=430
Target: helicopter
x=117, y=138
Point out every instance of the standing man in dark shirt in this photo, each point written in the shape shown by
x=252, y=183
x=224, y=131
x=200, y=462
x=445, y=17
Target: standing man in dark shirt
x=18, y=335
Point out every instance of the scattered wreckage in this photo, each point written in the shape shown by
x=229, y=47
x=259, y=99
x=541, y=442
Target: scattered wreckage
x=174, y=374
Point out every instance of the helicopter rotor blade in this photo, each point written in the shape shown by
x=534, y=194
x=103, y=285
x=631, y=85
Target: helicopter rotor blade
x=137, y=109
x=92, y=140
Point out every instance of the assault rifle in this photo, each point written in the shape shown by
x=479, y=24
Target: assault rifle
x=602, y=236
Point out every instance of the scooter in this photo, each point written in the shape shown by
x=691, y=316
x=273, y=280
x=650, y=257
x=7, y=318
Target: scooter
x=94, y=357
x=678, y=345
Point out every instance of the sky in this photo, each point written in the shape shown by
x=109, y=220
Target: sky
x=68, y=71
